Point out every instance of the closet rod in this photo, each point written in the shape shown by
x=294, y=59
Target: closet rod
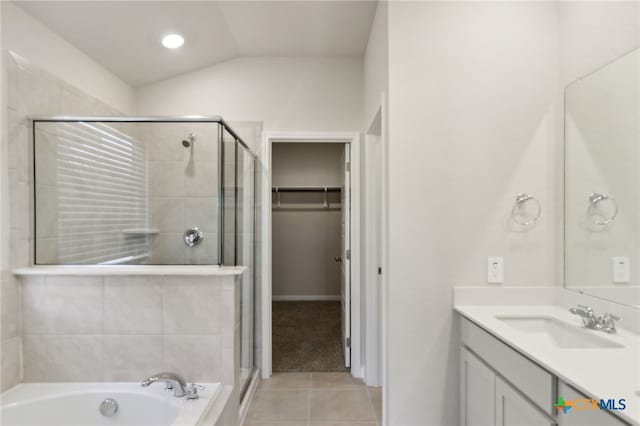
x=306, y=189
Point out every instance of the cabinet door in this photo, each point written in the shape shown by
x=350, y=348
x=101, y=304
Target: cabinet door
x=512, y=409
x=584, y=417
x=477, y=391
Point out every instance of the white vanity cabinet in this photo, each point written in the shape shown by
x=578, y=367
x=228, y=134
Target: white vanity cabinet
x=500, y=386
x=584, y=417
x=487, y=400
x=513, y=409
x=478, y=389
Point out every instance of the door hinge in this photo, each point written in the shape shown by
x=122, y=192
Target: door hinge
x=348, y=342
x=348, y=254
x=348, y=166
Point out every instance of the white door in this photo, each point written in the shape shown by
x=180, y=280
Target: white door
x=512, y=409
x=345, y=256
x=477, y=391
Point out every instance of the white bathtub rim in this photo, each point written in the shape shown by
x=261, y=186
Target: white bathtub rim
x=46, y=391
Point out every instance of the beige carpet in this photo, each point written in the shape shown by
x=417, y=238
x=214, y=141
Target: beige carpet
x=307, y=336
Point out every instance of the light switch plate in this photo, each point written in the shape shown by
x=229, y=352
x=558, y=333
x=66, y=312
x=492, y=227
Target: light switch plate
x=621, y=270
x=495, y=270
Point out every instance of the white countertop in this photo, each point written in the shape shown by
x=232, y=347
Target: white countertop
x=213, y=270
x=600, y=373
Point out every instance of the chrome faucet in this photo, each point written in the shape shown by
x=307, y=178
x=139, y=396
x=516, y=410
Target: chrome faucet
x=172, y=382
x=606, y=323
x=586, y=312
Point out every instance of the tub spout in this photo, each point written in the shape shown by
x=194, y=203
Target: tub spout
x=172, y=380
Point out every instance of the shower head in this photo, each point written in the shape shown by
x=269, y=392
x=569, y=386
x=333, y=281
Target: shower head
x=190, y=140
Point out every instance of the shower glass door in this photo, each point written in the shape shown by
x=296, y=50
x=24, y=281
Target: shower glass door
x=126, y=192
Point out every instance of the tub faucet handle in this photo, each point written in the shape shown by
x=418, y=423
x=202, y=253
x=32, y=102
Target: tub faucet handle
x=192, y=391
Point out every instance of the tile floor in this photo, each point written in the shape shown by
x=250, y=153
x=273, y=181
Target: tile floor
x=315, y=399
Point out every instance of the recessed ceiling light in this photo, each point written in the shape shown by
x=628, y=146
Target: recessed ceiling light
x=172, y=41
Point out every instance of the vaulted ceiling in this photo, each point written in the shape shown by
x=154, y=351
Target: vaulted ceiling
x=124, y=36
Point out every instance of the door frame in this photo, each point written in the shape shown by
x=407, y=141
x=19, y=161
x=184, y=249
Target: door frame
x=374, y=245
x=268, y=139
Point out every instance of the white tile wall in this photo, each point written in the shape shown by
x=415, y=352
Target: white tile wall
x=10, y=338
x=187, y=306
x=133, y=305
x=183, y=188
x=127, y=328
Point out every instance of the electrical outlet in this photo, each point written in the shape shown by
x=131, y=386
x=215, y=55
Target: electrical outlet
x=495, y=270
x=621, y=270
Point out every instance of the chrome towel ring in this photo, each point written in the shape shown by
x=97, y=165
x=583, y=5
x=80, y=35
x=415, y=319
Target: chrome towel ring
x=521, y=215
x=594, y=213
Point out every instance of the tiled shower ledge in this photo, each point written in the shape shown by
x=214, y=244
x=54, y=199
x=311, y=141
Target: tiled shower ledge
x=201, y=270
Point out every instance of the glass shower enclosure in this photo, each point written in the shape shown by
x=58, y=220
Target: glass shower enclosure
x=147, y=190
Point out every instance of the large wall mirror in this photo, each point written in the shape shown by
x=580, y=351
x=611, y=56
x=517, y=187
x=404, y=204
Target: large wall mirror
x=602, y=182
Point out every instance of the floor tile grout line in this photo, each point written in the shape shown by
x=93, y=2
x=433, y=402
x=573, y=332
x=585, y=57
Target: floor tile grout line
x=309, y=406
x=373, y=409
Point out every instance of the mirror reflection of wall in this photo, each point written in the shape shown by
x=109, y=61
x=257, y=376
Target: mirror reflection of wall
x=602, y=182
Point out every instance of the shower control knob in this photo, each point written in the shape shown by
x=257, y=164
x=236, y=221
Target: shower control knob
x=193, y=237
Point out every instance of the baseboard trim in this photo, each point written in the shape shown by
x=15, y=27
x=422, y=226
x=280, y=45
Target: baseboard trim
x=305, y=298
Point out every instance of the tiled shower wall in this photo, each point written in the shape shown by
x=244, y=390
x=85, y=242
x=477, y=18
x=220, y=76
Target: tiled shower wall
x=31, y=91
x=183, y=190
x=89, y=328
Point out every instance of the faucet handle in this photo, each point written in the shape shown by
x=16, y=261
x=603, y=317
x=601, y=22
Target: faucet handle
x=608, y=322
x=192, y=391
x=611, y=317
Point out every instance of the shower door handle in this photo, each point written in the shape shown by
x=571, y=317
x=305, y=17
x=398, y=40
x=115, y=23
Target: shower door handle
x=338, y=259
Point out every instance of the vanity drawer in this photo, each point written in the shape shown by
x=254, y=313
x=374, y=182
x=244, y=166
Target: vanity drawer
x=528, y=377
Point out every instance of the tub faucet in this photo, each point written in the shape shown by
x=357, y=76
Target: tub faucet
x=172, y=381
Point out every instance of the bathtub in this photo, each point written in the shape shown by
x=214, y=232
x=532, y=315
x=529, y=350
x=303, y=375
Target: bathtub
x=77, y=404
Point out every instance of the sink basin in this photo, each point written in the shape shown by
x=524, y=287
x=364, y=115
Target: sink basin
x=551, y=331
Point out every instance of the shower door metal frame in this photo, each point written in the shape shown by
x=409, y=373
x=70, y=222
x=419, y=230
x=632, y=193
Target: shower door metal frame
x=223, y=126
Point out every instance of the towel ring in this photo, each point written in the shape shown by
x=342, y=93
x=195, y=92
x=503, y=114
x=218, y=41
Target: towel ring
x=519, y=213
x=594, y=200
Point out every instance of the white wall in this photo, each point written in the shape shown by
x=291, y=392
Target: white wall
x=592, y=34
x=42, y=47
x=4, y=189
x=376, y=64
x=285, y=93
x=472, y=122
